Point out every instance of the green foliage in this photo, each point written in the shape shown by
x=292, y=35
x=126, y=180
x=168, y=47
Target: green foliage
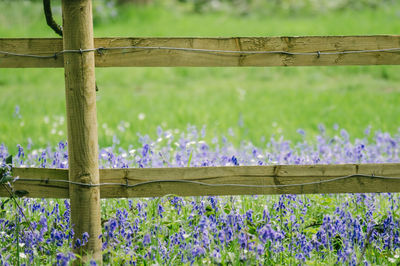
x=271, y=6
x=5, y=171
x=104, y=11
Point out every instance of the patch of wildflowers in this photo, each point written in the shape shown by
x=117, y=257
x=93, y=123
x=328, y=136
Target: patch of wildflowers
x=264, y=229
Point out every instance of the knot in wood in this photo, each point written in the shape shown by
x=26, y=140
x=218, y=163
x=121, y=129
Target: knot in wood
x=84, y=178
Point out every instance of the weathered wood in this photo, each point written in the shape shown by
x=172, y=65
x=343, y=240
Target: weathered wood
x=245, y=175
x=168, y=58
x=251, y=175
x=82, y=125
x=40, y=189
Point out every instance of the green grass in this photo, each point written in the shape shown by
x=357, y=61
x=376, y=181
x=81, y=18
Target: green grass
x=268, y=100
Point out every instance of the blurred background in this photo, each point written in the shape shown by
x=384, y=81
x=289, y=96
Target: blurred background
x=242, y=103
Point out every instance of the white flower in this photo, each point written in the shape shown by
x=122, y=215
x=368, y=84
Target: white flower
x=190, y=143
x=168, y=135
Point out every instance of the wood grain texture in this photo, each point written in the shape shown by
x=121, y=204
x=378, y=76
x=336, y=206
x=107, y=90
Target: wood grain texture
x=40, y=189
x=168, y=58
x=249, y=175
x=82, y=125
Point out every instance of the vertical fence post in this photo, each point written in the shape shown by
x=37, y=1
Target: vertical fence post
x=82, y=124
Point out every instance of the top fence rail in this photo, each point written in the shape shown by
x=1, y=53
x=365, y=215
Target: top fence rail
x=209, y=52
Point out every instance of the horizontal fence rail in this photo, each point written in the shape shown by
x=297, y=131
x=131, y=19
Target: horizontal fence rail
x=207, y=181
x=209, y=52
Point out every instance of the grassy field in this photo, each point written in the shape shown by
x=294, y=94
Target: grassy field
x=253, y=102
x=250, y=103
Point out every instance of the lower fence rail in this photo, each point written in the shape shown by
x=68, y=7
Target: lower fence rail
x=208, y=181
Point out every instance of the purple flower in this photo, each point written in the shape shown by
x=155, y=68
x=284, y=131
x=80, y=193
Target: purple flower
x=242, y=240
x=260, y=249
x=78, y=243
x=160, y=210
x=198, y=251
x=234, y=160
x=146, y=239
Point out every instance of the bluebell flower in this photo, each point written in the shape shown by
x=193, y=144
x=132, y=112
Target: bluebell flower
x=234, y=160
x=160, y=210
x=146, y=239
x=78, y=243
x=198, y=251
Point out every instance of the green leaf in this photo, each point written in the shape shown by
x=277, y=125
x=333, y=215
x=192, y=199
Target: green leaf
x=227, y=209
x=21, y=193
x=253, y=231
x=6, y=179
x=190, y=159
x=337, y=242
x=9, y=160
x=209, y=210
x=3, y=203
x=311, y=230
x=25, y=223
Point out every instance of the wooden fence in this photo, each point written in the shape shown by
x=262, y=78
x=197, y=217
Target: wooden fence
x=78, y=53
x=209, y=181
x=213, y=52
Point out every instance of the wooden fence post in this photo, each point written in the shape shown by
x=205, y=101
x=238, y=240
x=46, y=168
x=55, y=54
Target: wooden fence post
x=82, y=124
